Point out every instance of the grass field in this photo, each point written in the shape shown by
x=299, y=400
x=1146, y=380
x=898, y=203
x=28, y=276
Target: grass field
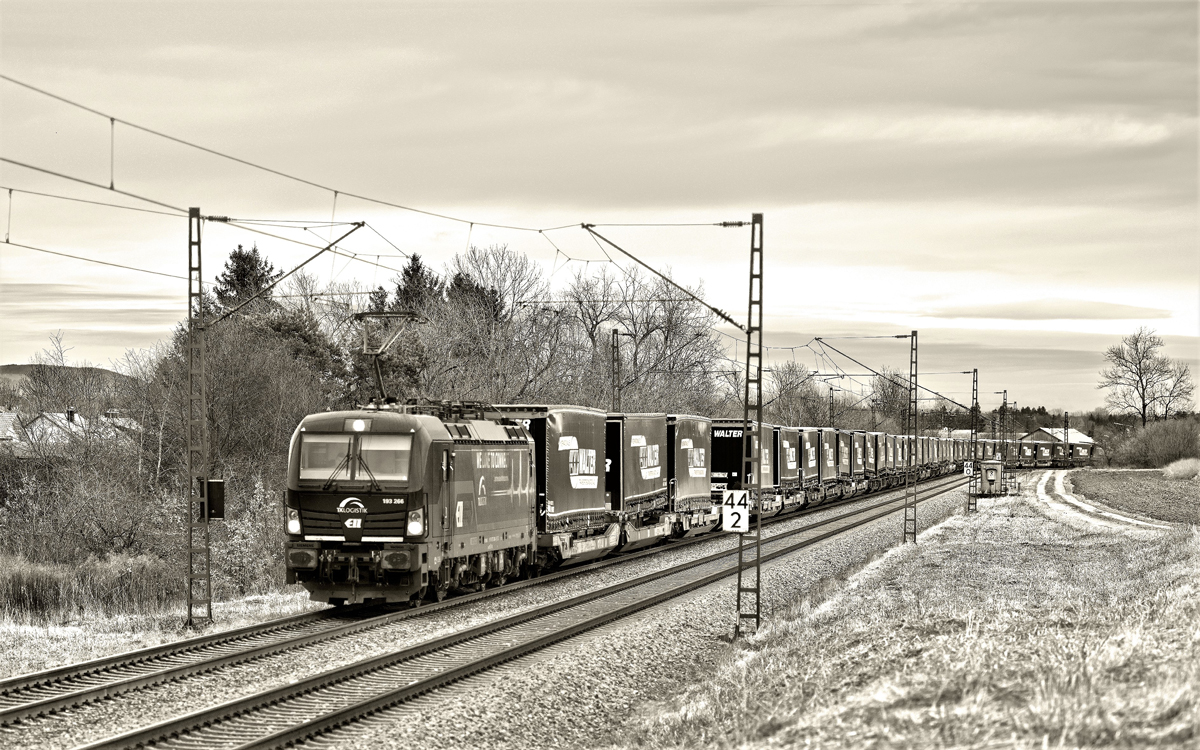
x=1148, y=493
x=1002, y=629
x=26, y=647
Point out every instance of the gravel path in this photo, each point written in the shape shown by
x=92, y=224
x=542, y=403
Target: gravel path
x=577, y=693
x=106, y=718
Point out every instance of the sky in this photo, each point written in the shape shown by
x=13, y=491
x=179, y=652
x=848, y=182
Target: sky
x=1015, y=180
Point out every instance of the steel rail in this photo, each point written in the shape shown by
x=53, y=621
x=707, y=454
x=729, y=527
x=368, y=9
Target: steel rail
x=86, y=683
x=172, y=731
x=19, y=683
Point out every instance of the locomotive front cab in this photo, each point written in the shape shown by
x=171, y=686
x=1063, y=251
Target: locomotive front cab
x=357, y=511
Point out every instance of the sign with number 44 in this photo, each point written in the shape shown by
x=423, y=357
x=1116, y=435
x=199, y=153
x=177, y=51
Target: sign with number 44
x=735, y=511
x=968, y=468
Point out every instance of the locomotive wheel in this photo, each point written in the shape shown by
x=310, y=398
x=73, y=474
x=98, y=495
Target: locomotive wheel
x=436, y=591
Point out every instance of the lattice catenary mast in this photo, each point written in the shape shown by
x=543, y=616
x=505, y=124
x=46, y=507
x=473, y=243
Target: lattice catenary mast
x=910, y=484
x=749, y=587
x=199, y=556
x=973, y=479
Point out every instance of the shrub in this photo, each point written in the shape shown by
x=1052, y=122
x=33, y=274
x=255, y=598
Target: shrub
x=1184, y=468
x=248, y=550
x=1159, y=444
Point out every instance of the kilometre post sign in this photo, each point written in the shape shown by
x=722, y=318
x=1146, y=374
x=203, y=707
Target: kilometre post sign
x=735, y=511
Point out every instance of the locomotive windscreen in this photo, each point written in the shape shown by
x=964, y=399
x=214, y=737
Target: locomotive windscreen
x=382, y=456
x=386, y=456
x=322, y=455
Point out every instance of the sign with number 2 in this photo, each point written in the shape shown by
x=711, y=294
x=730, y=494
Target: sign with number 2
x=735, y=511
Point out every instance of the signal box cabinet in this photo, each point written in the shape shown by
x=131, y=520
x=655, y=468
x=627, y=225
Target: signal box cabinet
x=991, y=477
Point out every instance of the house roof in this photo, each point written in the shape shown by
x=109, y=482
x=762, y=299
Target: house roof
x=9, y=421
x=1056, y=433
x=81, y=424
x=983, y=434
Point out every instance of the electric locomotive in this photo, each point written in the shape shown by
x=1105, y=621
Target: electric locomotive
x=399, y=504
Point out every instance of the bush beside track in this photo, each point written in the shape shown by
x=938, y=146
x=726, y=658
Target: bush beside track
x=1003, y=627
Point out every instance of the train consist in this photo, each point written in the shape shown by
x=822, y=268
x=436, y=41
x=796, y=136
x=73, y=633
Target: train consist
x=400, y=504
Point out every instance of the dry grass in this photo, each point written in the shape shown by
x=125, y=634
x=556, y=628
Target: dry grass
x=1184, y=468
x=1147, y=493
x=32, y=593
x=1000, y=629
x=26, y=647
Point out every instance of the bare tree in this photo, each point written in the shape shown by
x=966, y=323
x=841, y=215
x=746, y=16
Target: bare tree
x=890, y=389
x=792, y=395
x=1175, y=394
x=1141, y=380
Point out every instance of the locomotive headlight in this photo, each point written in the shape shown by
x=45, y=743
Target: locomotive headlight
x=293, y=522
x=416, y=522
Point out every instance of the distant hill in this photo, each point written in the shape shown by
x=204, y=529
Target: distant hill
x=13, y=374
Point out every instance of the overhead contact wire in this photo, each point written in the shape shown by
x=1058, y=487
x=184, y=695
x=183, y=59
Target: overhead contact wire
x=253, y=165
x=94, y=203
x=14, y=162
x=94, y=260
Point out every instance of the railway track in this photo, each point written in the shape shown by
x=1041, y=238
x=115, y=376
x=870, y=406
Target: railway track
x=294, y=712
x=43, y=693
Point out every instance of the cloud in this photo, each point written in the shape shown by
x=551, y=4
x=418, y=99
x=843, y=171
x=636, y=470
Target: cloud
x=972, y=127
x=39, y=293
x=1053, y=309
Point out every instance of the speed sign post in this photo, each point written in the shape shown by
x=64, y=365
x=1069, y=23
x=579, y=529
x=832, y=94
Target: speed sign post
x=735, y=511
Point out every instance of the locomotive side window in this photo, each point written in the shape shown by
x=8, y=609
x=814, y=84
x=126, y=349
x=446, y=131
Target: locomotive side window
x=321, y=455
x=386, y=456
